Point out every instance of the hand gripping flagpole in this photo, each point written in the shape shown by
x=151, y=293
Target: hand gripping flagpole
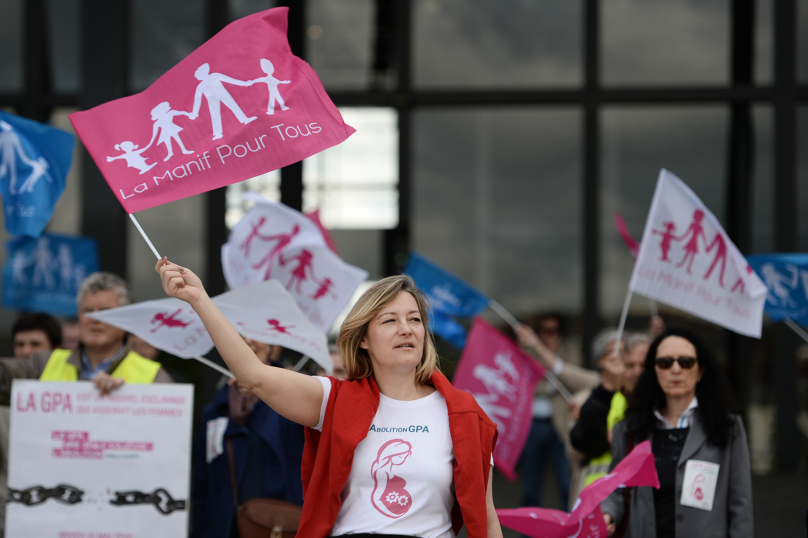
x=203, y=360
x=513, y=322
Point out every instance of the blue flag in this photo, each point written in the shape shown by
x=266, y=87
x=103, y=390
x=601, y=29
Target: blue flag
x=34, y=160
x=44, y=274
x=786, y=276
x=450, y=296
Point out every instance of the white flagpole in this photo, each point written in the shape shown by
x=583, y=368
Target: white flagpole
x=513, y=322
x=146, y=237
x=301, y=363
x=797, y=329
x=220, y=369
x=621, y=327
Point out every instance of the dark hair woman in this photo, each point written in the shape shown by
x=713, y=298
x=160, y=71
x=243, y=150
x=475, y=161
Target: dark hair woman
x=681, y=403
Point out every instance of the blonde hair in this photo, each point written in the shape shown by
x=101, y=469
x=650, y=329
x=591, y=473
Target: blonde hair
x=354, y=328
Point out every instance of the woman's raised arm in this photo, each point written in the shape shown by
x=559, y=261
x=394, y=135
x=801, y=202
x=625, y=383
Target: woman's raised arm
x=293, y=395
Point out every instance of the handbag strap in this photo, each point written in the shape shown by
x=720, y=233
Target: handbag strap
x=233, y=482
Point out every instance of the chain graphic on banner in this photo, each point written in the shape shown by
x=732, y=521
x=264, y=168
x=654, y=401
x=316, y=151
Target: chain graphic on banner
x=66, y=494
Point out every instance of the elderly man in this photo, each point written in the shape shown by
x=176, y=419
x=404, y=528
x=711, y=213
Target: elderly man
x=102, y=354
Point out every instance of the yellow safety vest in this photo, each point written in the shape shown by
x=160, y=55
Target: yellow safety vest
x=598, y=467
x=133, y=368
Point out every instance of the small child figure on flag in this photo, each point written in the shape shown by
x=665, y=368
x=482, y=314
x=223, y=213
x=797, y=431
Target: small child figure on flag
x=272, y=83
x=133, y=156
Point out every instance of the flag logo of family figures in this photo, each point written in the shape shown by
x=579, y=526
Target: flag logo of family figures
x=44, y=274
x=264, y=312
x=449, y=296
x=501, y=377
x=786, y=276
x=265, y=109
x=686, y=260
x=34, y=161
x=275, y=242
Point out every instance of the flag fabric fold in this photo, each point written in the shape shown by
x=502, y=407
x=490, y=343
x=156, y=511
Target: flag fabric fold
x=586, y=520
x=449, y=296
x=239, y=106
x=502, y=378
x=786, y=276
x=686, y=260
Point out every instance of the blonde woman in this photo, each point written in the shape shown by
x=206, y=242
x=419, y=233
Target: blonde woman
x=396, y=419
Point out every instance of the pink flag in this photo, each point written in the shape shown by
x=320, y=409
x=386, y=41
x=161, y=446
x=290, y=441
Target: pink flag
x=239, y=106
x=314, y=216
x=273, y=241
x=586, y=520
x=687, y=260
x=501, y=377
x=625, y=235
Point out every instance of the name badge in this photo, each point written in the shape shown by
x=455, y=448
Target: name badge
x=214, y=446
x=698, y=489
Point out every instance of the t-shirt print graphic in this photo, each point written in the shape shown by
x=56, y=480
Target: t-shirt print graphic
x=389, y=495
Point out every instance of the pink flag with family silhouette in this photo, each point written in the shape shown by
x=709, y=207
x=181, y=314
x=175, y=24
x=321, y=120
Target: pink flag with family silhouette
x=637, y=469
x=237, y=107
x=501, y=377
x=687, y=260
x=273, y=241
x=264, y=312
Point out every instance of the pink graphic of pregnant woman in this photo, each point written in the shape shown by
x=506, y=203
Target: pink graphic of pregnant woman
x=696, y=491
x=389, y=496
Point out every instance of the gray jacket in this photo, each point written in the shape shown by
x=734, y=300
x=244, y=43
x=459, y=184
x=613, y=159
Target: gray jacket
x=731, y=515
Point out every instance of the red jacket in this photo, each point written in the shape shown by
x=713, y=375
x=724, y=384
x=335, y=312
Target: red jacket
x=352, y=405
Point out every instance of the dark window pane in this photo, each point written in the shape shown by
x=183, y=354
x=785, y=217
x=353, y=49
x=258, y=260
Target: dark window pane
x=637, y=142
x=11, y=36
x=497, y=200
x=242, y=8
x=64, y=43
x=764, y=41
x=163, y=33
x=763, y=180
x=802, y=41
x=802, y=145
x=680, y=42
x=339, y=42
x=497, y=44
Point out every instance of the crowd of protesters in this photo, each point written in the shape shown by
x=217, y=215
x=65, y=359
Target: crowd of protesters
x=277, y=426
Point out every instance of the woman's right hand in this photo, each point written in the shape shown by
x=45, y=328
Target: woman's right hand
x=179, y=282
x=610, y=526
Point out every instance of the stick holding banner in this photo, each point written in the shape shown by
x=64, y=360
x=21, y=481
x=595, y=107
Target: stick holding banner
x=797, y=329
x=146, y=237
x=220, y=369
x=513, y=322
x=622, y=326
x=301, y=363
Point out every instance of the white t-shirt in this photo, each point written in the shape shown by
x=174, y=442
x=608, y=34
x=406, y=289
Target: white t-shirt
x=401, y=477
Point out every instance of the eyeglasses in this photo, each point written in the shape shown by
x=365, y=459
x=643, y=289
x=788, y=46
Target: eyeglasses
x=685, y=363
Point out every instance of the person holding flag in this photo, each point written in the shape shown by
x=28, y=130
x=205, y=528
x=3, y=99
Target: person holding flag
x=681, y=403
x=397, y=415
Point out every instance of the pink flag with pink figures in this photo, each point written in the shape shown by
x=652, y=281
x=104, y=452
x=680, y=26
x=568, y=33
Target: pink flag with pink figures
x=501, y=377
x=687, y=260
x=237, y=107
x=586, y=520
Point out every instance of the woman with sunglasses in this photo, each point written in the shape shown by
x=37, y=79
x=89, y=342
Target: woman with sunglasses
x=681, y=404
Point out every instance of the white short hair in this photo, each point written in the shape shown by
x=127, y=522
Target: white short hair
x=103, y=281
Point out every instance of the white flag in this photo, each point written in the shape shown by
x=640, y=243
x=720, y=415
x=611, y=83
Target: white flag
x=273, y=241
x=264, y=312
x=167, y=324
x=687, y=261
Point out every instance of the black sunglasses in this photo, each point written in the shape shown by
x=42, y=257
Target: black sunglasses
x=685, y=363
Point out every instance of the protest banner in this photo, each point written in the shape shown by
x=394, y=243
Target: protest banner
x=264, y=312
x=449, y=296
x=44, y=274
x=786, y=276
x=265, y=109
x=273, y=241
x=687, y=261
x=501, y=377
x=88, y=466
x=631, y=244
x=314, y=216
x=34, y=161
x=586, y=519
